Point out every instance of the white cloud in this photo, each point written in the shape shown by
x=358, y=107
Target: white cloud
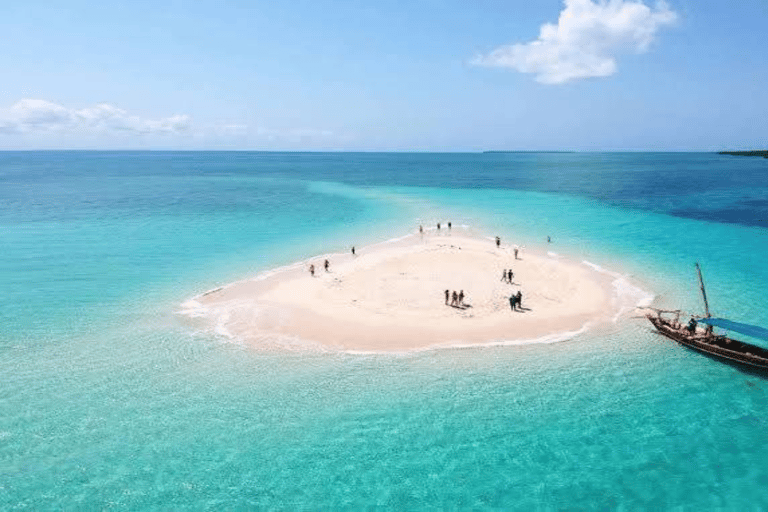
x=33, y=115
x=102, y=124
x=585, y=41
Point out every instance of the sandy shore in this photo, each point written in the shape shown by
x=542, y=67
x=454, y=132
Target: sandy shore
x=390, y=297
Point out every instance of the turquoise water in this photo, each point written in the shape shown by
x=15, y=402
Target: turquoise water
x=111, y=399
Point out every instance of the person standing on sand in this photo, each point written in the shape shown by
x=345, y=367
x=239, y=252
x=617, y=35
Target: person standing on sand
x=510, y=276
x=454, y=298
x=512, y=301
x=461, y=298
x=327, y=264
x=504, y=276
x=515, y=252
x=449, y=226
x=312, y=270
x=498, y=242
x=447, y=296
x=438, y=226
x=353, y=250
x=520, y=299
x=421, y=230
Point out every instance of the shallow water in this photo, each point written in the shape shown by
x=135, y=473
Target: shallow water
x=112, y=399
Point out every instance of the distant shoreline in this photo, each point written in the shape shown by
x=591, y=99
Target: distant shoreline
x=525, y=152
x=762, y=153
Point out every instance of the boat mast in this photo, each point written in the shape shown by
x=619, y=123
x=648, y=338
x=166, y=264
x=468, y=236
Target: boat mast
x=703, y=291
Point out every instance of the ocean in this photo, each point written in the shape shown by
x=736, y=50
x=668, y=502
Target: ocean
x=111, y=398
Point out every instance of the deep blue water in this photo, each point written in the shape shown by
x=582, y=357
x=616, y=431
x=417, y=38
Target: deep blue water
x=110, y=399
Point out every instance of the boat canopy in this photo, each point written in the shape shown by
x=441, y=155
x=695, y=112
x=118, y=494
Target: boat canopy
x=729, y=325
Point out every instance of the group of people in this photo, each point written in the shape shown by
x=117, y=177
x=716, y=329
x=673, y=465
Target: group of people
x=326, y=264
x=516, y=301
x=421, y=228
x=456, y=299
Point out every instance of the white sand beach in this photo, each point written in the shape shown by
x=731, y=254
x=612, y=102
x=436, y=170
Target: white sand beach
x=391, y=297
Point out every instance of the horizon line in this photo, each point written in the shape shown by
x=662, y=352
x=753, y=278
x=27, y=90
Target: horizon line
x=398, y=151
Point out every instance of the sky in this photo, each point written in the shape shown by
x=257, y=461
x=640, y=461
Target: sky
x=390, y=75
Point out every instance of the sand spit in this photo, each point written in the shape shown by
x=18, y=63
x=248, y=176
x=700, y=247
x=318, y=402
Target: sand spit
x=390, y=297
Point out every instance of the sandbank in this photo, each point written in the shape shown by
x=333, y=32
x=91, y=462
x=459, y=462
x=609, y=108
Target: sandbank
x=390, y=297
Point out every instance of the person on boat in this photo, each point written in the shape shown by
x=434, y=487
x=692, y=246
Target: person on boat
x=692, y=326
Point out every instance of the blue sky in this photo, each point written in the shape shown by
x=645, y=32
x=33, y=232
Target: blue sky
x=421, y=75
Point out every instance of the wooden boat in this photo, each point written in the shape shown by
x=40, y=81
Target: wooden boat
x=706, y=341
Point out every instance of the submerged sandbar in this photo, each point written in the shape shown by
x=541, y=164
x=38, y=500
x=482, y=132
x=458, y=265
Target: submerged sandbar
x=390, y=297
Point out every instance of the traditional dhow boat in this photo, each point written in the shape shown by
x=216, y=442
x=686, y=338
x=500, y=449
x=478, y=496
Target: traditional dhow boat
x=705, y=340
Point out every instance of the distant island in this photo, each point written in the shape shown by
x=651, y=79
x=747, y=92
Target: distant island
x=523, y=151
x=763, y=153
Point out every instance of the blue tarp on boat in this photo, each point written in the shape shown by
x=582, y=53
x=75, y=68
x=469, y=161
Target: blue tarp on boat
x=746, y=329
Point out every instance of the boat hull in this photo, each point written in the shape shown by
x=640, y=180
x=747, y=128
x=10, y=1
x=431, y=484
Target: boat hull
x=718, y=346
